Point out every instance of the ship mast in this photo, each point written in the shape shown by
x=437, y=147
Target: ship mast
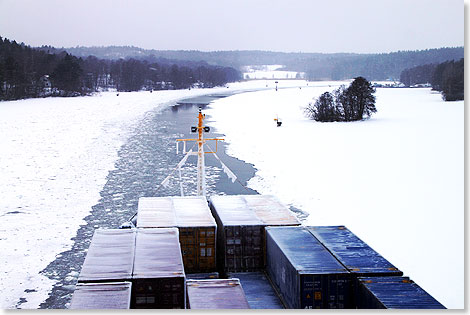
x=201, y=169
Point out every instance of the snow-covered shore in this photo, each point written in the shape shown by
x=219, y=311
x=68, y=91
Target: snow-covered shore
x=396, y=180
x=54, y=158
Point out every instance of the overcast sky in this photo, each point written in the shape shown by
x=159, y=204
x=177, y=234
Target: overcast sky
x=361, y=26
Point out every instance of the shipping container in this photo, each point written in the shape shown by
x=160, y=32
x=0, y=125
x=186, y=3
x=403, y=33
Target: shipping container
x=394, y=293
x=304, y=272
x=111, y=295
x=197, y=227
x=358, y=257
x=241, y=220
x=110, y=256
x=158, y=279
x=258, y=290
x=216, y=294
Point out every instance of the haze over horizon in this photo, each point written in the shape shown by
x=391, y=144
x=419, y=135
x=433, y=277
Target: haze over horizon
x=339, y=26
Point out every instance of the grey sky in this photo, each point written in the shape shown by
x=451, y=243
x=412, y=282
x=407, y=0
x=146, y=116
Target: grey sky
x=291, y=25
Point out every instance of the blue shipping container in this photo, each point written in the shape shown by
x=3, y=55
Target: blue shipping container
x=358, y=257
x=258, y=290
x=304, y=271
x=394, y=293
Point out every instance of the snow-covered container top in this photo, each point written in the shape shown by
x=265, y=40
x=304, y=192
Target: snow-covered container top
x=157, y=254
x=97, y=296
x=154, y=212
x=110, y=256
x=216, y=294
x=252, y=210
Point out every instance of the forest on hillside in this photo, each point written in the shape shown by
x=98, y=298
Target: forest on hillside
x=446, y=77
x=44, y=71
x=27, y=72
x=317, y=66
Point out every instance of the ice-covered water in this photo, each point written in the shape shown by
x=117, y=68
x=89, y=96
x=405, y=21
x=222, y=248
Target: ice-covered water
x=56, y=154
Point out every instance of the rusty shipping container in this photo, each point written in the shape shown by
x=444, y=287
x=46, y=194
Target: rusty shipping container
x=110, y=295
x=197, y=227
x=304, y=272
x=158, y=278
x=241, y=220
x=110, y=256
x=216, y=294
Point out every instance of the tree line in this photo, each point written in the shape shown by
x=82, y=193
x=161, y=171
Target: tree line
x=27, y=72
x=446, y=77
x=352, y=103
x=317, y=66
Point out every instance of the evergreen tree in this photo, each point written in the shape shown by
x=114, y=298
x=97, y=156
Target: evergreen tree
x=341, y=104
x=447, y=77
x=66, y=76
x=345, y=104
x=323, y=109
x=453, y=81
x=360, y=97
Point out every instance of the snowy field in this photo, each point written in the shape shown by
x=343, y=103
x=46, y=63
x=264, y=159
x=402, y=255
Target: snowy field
x=396, y=180
x=54, y=158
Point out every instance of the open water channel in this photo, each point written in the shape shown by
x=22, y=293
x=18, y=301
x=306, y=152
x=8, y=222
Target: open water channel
x=144, y=161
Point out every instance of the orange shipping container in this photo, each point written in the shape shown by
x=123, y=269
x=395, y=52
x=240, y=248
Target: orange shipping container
x=241, y=221
x=197, y=228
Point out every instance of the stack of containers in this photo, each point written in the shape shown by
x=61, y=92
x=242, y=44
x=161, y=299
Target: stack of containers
x=112, y=295
x=394, y=293
x=197, y=227
x=150, y=259
x=358, y=257
x=158, y=279
x=241, y=220
x=258, y=290
x=304, y=271
x=216, y=294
